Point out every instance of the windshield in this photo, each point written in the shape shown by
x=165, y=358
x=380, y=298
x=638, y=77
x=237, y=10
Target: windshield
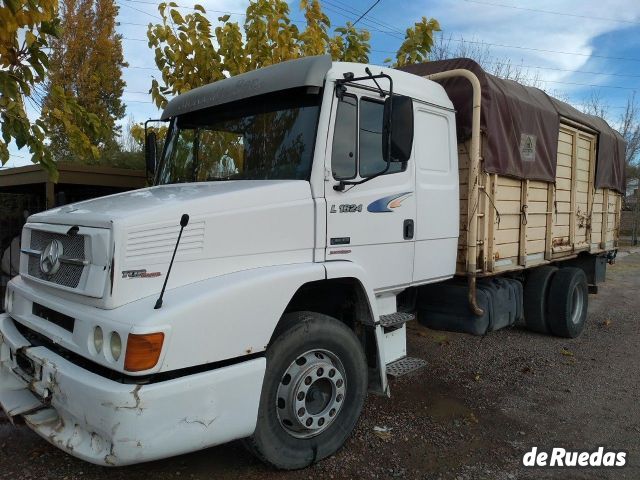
x=263, y=138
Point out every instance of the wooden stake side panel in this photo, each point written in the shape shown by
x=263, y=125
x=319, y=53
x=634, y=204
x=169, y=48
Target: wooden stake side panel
x=463, y=169
x=524, y=223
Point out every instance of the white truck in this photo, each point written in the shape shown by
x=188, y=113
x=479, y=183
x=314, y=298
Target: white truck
x=300, y=215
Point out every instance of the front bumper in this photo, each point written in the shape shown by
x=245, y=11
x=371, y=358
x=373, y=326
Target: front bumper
x=110, y=423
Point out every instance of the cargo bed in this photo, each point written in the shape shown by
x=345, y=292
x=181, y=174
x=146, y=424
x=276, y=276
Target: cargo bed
x=539, y=180
x=524, y=223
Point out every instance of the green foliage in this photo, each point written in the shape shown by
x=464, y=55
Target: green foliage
x=417, y=43
x=350, y=44
x=314, y=38
x=190, y=52
x=23, y=71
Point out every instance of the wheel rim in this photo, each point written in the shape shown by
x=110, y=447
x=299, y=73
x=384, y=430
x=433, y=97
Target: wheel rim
x=577, y=305
x=311, y=393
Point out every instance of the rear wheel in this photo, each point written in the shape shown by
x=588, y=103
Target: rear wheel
x=313, y=391
x=568, y=302
x=536, y=291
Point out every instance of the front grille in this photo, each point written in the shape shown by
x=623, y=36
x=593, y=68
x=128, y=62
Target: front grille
x=68, y=275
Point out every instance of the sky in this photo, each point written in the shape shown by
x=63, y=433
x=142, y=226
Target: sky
x=575, y=48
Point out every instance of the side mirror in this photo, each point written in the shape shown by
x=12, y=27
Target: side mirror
x=397, y=130
x=150, y=152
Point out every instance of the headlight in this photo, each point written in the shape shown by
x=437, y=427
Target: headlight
x=98, y=339
x=116, y=345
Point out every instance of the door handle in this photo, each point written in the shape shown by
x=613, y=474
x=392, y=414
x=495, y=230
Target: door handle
x=407, y=229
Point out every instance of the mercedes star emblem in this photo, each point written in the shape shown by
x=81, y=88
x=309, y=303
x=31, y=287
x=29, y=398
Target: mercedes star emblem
x=50, y=257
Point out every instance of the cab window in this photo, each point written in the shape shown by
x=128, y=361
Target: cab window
x=357, y=139
x=343, y=153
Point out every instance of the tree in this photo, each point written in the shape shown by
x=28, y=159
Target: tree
x=189, y=52
x=503, y=67
x=87, y=63
x=629, y=127
x=27, y=29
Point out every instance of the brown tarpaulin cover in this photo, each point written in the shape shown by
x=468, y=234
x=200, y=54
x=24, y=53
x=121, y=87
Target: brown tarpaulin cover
x=521, y=126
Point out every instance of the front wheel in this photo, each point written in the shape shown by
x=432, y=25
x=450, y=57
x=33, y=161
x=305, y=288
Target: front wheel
x=313, y=391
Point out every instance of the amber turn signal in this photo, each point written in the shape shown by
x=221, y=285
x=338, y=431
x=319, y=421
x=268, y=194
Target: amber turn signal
x=143, y=351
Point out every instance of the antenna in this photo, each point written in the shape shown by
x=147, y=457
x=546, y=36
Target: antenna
x=184, y=220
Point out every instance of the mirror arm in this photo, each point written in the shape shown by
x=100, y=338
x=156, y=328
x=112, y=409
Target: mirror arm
x=343, y=183
x=382, y=94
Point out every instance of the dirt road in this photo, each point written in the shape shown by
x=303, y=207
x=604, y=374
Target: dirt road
x=472, y=413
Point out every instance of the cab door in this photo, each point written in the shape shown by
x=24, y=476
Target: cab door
x=437, y=223
x=371, y=224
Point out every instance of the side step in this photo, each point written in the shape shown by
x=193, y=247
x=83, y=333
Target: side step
x=405, y=365
x=396, y=319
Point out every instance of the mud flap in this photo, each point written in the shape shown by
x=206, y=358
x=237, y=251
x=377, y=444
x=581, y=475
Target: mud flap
x=15, y=397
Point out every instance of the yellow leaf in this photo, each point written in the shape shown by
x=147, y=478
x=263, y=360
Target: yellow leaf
x=29, y=38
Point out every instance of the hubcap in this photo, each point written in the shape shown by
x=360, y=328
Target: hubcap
x=311, y=393
x=577, y=305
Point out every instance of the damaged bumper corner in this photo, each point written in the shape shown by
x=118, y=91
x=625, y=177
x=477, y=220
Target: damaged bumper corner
x=111, y=423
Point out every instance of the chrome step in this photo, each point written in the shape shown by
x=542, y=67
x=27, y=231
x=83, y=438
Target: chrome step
x=405, y=365
x=396, y=319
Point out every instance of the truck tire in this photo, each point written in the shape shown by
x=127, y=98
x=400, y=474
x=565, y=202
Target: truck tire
x=568, y=302
x=536, y=292
x=313, y=392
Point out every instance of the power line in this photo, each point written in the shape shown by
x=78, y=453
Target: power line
x=533, y=67
x=340, y=11
x=396, y=31
x=141, y=68
x=365, y=13
x=138, y=10
x=370, y=19
x=620, y=87
x=553, y=12
x=548, y=51
x=502, y=45
x=371, y=25
x=537, y=67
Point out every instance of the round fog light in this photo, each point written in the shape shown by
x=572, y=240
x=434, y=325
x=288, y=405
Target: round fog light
x=116, y=346
x=98, y=340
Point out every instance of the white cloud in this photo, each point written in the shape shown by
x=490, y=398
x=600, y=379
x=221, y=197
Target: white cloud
x=543, y=31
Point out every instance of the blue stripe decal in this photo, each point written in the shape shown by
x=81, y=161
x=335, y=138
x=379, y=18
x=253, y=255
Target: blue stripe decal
x=382, y=204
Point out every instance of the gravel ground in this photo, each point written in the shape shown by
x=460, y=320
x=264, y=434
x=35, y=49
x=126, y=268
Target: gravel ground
x=478, y=406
